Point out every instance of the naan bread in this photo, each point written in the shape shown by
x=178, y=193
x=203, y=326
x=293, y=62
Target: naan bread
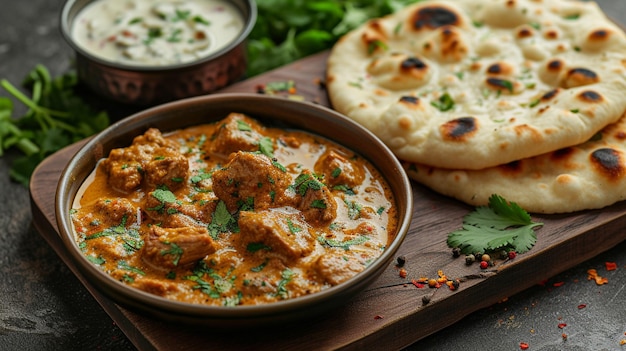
x=587, y=176
x=471, y=84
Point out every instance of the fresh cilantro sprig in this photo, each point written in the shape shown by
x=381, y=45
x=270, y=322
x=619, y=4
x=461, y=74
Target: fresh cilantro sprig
x=287, y=30
x=56, y=117
x=497, y=226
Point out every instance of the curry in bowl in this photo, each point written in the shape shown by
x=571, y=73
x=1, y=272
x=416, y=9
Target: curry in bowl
x=233, y=212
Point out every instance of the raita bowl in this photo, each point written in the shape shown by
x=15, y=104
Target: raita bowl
x=149, y=85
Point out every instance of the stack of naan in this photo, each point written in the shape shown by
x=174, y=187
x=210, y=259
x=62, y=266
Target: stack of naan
x=521, y=98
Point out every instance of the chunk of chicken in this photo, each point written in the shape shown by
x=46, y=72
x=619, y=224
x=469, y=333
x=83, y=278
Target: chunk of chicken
x=236, y=133
x=336, y=268
x=149, y=157
x=315, y=200
x=168, y=248
x=284, y=232
x=250, y=178
x=339, y=170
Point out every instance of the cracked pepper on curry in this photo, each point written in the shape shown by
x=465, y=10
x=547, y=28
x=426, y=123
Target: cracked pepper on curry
x=233, y=213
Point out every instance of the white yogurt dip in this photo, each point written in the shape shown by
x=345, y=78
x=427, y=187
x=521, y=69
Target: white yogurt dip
x=156, y=32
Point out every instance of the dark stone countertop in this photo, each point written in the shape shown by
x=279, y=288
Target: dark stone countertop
x=44, y=307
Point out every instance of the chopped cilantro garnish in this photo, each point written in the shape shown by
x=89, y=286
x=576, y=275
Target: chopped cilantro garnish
x=292, y=227
x=354, y=209
x=342, y=244
x=444, y=103
x=266, y=147
x=306, y=181
x=376, y=44
x=286, y=277
x=175, y=251
x=243, y=126
x=319, y=203
x=222, y=221
x=254, y=247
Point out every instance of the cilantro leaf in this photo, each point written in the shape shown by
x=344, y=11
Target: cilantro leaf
x=222, y=221
x=498, y=225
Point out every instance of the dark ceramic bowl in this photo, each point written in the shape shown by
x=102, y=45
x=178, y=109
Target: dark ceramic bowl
x=270, y=110
x=148, y=86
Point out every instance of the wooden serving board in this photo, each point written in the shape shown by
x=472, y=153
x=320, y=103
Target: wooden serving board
x=390, y=313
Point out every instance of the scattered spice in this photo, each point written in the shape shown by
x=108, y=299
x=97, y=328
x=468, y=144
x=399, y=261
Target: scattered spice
x=581, y=306
x=378, y=316
x=592, y=274
x=562, y=325
x=403, y=273
x=417, y=284
x=436, y=283
x=401, y=260
x=283, y=88
x=557, y=284
x=425, y=299
x=523, y=346
x=610, y=266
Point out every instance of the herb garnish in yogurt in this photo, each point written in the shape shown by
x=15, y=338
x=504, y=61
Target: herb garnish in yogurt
x=156, y=32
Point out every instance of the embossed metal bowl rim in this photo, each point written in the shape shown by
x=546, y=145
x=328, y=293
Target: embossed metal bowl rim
x=268, y=109
x=71, y=8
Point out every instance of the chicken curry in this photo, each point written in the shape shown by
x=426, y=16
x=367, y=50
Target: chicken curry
x=233, y=213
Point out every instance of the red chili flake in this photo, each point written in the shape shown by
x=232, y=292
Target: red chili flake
x=378, y=316
x=564, y=336
x=523, y=346
x=581, y=306
x=557, y=284
x=403, y=273
x=610, y=266
x=484, y=264
x=417, y=284
x=562, y=325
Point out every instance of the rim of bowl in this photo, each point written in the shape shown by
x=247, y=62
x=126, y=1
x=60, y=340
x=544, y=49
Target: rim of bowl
x=69, y=181
x=66, y=31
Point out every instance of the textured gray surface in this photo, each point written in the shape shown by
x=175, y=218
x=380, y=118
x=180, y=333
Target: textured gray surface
x=44, y=307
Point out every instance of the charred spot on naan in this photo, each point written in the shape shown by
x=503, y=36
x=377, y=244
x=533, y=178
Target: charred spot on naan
x=399, y=71
x=600, y=38
x=500, y=68
x=579, y=76
x=590, y=96
x=412, y=102
x=608, y=162
x=459, y=129
x=503, y=85
x=445, y=44
x=550, y=73
x=550, y=95
x=433, y=17
x=524, y=31
x=374, y=37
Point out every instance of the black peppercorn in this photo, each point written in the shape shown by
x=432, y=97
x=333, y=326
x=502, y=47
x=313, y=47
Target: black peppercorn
x=401, y=260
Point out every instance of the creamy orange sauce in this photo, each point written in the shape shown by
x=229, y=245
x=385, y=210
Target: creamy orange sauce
x=233, y=213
